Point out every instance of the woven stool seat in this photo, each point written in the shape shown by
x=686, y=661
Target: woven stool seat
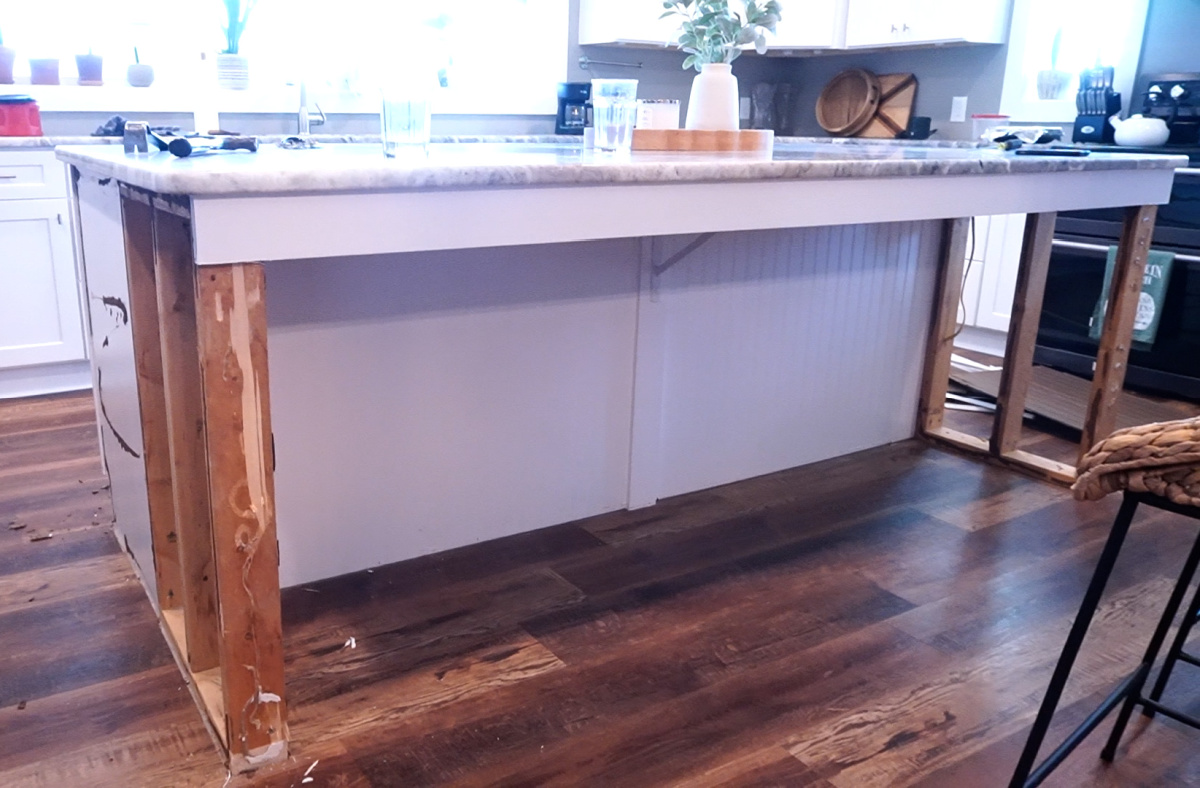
x=1161, y=459
x=1154, y=465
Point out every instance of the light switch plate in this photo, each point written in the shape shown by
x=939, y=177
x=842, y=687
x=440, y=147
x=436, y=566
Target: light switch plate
x=958, y=109
x=744, y=108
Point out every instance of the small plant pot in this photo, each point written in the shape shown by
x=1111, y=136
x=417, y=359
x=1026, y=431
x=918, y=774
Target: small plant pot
x=1052, y=84
x=233, y=72
x=140, y=75
x=43, y=71
x=7, y=57
x=91, y=69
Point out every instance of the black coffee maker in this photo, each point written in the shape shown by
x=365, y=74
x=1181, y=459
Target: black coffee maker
x=573, y=104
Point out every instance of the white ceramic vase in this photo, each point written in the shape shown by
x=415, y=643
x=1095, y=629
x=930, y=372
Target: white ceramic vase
x=233, y=72
x=713, y=104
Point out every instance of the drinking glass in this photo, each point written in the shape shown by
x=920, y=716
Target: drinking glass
x=614, y=109
x=407, y=106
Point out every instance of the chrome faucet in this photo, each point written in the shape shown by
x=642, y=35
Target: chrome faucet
x=303, y=121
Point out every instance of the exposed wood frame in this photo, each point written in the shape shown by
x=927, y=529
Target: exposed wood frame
x=202, y=374
x=138, y=223
x=1116, y=338
x=1111, y=359
x=942, y=327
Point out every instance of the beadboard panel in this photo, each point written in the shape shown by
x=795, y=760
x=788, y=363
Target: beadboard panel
x=431, y=400
x=778, y=345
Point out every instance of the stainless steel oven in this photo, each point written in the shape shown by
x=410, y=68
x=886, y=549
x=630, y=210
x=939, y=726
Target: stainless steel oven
x=1171, y=365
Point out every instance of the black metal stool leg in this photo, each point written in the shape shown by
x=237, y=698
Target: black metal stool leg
x=1066, y=660
x=1156, y=641
x=1173, y=654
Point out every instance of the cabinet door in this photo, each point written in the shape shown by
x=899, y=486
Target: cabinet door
x=809, y=24
x=39, y=299
x=875, y=23
x=998, y=273
x=625, y=22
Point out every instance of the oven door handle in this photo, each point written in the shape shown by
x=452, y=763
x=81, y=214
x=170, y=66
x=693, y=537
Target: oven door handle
x=1082, y=247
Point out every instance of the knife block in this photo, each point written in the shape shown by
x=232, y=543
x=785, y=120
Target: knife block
x=1096, y=128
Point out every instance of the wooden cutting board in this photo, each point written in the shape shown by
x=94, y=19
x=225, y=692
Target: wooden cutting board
x=744, y=140
x=897, y=95
x=849, y=102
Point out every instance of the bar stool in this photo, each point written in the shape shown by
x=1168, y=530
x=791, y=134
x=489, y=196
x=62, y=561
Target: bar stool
x=1154, y=465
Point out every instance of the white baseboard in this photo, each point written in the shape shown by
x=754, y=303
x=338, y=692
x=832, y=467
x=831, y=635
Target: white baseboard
x=981, y=340
x=45, y=379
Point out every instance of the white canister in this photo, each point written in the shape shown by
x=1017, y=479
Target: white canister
x=658, y=113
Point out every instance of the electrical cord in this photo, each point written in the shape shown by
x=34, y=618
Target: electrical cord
x=962, y=286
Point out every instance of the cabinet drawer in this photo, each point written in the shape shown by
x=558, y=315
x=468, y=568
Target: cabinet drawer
x=31, y=175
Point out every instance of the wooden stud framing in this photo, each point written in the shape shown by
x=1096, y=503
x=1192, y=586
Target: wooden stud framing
x=1018, y=362
x=1113, y=354
x=1022, y=332
x=139, y=249
x=174, y=274
x=200, y=343
x=232, y=329
x=942, y=326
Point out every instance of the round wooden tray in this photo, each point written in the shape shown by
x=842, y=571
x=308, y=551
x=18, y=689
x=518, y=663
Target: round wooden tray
x=848, y=102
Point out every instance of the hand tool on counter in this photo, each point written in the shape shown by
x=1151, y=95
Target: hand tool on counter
x=203, y=146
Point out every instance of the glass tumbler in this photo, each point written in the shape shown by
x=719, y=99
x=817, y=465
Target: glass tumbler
x=614, y=110
x=407, y=111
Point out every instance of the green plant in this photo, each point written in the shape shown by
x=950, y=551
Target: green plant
x=237, y=12
x=713, y=33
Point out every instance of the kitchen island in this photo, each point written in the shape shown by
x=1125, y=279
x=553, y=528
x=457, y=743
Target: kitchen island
x=481, y=339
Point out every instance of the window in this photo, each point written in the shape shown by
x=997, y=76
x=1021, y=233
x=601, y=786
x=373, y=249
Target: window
x=493, y=56
x=1088, y=33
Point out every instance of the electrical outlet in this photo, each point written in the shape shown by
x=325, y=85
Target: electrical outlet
x=744, y=108
x=958, y=109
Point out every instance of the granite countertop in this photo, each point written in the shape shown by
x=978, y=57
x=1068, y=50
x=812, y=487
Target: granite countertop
x=54, y=142
x=363, y=167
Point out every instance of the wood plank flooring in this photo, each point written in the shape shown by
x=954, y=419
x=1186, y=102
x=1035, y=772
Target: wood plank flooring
x=884, y=619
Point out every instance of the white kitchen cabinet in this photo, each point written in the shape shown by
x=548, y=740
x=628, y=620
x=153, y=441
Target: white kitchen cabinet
x=40, y=318
x=805, y=24
x=990, y=278
x=810, y=24
x=626, y=22
x=896, y=23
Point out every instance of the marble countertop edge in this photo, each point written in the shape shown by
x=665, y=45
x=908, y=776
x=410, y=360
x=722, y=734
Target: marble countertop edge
x=339, y=168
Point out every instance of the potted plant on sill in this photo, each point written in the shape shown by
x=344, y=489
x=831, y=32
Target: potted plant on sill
x=233, y=70
x=7, y=58
x=90, y=68
x=713, y=36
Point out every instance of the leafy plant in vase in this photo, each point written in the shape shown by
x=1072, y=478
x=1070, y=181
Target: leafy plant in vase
x=7, y=57
x=233, y=70
x=713, y=35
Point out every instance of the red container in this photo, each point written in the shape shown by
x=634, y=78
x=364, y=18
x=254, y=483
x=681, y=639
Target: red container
x=19, y=117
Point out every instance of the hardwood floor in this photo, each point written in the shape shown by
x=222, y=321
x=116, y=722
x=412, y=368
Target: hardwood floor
x=888, y=618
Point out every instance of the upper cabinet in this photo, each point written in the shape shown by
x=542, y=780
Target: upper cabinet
x=632, y=22
x=896, y=23
x=815, y=24
x=806, y=24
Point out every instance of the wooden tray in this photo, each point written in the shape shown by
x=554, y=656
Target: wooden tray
x=752, y=140
x=848, y=102
x=898, y=94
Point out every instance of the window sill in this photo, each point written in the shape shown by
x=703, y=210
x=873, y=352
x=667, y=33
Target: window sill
x=282, y=100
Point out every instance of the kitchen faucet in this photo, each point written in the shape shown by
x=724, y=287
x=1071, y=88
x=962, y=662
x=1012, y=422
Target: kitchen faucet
x=303, y=121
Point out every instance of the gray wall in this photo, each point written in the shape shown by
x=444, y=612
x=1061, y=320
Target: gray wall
x=975, y=71
x=1169, y=44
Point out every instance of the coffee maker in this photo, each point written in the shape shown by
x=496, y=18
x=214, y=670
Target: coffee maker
x=573, y=105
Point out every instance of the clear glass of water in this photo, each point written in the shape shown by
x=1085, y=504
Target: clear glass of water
x=406, y=121
x=614, y=110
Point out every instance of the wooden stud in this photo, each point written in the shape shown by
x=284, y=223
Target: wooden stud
x=940, y=344
x=138, y=226
x=232, y=330
x=1115, y=340
x=1022, y=332
x=174, y=273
